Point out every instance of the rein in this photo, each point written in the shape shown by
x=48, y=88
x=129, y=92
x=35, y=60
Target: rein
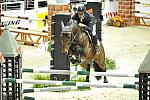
x=75, y=36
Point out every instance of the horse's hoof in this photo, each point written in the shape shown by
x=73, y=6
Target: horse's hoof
x=105, y=81
x=87, y=81
x=98, y=77
x=73, y=61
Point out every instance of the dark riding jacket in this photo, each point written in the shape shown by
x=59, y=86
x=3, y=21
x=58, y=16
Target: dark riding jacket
x=88, y=20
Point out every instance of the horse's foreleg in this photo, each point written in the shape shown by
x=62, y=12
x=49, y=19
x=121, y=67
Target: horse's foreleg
x=87, y=67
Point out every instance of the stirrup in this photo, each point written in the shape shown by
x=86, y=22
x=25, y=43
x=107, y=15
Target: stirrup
x=96, y=49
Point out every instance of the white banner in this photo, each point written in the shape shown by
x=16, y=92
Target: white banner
x=110, y=10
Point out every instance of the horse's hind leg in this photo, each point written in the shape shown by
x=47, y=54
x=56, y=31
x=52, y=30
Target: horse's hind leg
x=100, y=61
x=98, y=69
x=105, y=78
x=88, y=77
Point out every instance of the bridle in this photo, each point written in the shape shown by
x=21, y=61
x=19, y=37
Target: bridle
x=74, y=37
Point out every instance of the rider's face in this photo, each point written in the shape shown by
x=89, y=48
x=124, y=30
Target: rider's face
x=80, y=14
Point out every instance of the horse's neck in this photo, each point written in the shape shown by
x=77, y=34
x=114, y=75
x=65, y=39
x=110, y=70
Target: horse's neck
x=83, y=38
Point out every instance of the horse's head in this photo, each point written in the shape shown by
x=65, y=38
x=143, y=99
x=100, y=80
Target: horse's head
x=66, y=35
x=74, y=40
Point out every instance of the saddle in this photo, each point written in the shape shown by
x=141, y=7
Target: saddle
x=93, y=40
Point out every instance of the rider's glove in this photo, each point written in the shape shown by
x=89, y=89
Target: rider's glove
x=82, y=25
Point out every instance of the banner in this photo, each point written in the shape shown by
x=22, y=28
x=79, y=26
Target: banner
x=110, y=10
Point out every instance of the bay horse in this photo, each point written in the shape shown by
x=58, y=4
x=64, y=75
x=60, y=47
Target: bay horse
x=76, y=42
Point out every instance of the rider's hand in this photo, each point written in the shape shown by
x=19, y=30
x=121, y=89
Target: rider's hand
x=82, y=25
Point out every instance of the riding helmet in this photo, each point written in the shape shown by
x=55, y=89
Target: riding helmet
x=81, y=9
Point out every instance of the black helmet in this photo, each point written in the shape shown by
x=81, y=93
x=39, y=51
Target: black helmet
x=81, y=9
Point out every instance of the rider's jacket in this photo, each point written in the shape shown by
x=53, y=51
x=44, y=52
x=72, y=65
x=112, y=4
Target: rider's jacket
x=88, y=20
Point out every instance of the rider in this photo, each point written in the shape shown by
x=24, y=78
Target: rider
x=85, y=20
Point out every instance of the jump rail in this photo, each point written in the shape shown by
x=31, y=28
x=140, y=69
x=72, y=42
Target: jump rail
x=71, y=83
x=68, y=72
x=142, y=20
x=25, y=28
x=61, y=88
x=22, y=17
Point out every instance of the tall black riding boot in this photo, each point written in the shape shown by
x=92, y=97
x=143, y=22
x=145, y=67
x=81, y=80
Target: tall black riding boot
x=95, y=43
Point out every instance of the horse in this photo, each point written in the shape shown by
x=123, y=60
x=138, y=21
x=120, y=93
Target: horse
x=76, y=43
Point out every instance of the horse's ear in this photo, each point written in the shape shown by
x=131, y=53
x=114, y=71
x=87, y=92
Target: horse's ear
x=62, y=24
